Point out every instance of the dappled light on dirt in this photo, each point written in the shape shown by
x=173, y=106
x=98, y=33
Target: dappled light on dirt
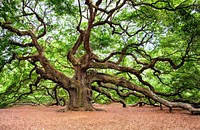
x=115, y=117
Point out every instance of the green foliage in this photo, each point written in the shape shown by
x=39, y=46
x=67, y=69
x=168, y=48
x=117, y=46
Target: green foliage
x=101, y=99
x=62, y=7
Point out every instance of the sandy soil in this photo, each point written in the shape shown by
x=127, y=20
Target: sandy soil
x=115, y=118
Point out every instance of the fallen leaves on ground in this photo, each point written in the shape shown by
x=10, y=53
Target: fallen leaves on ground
x=115, y=117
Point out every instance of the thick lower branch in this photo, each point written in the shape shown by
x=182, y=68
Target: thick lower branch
x=100, y=90
x=98, y=77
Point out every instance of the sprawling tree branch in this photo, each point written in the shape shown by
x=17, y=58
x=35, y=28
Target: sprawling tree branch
x=21, y=44
x=167, y=6
x=98, y=89
x=12, y=29
x=99, y=77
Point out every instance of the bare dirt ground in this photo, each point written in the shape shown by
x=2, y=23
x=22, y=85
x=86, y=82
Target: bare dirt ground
x=114, y=118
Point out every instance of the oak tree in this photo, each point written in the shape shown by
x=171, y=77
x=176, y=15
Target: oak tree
x=118, y=48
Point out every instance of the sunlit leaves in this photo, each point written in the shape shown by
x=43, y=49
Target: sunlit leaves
x=8, y=10
x=62, y=7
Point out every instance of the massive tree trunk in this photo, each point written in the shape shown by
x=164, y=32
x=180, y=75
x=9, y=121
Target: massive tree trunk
x=80, y=96
x=78, y=100
x=78, y=87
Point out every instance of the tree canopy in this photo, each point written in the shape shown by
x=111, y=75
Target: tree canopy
x=100, y=51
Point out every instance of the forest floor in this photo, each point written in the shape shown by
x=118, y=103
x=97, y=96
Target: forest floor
x=115, y=117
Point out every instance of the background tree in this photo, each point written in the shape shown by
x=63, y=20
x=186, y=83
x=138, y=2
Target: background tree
x=119, y=48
